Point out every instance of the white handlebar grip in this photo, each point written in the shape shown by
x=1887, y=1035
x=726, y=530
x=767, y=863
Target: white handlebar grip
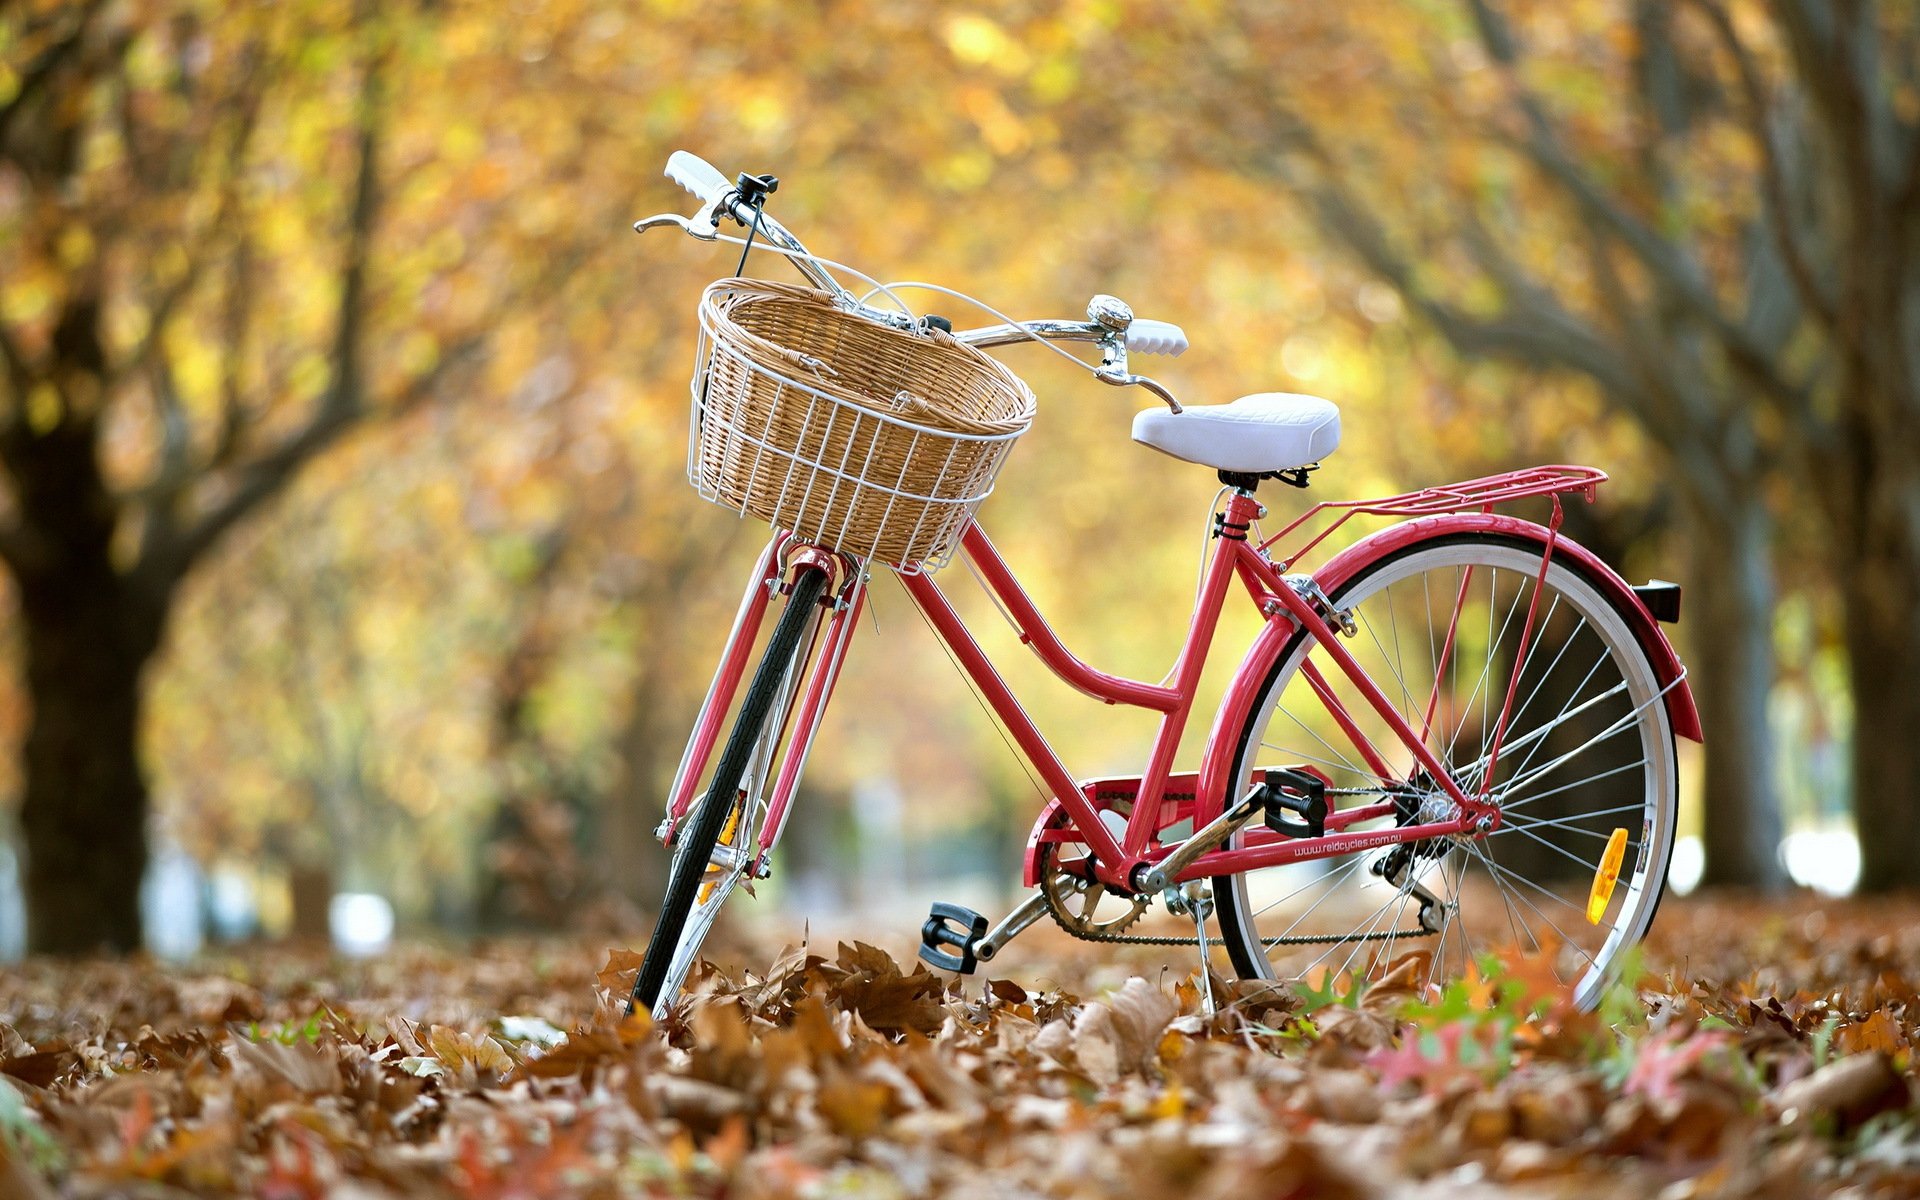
x=1156, y=337
x=697, y=175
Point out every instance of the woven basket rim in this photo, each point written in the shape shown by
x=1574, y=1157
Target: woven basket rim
x=715, y=319
x=868, y=410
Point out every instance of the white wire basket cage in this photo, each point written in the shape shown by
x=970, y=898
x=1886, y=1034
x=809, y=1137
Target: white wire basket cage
x=856, y=436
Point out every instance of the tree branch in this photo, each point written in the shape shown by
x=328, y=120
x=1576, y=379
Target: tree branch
x=1680, y=277
x=19, y=371
x=176, y=464
x=38, y=72
x=236, y=324
x=267, y=475
x=1773, y=188
x=239, y=139
x=344, y=401
x=1533, y=328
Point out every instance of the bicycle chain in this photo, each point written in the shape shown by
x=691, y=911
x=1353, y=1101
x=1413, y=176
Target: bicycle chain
x=1298, y=939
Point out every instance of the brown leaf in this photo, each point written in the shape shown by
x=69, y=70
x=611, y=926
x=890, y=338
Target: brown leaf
x=1350, y=1097
x=1879, y=1033
x=1553, y=1108
x=1483, y=1120
x=1109, y=1039
x=1007, y=991
x=308, y=1068
x=855, y=1108
x=41, y=1067
x=1517, y=1161
x=866, y=980
x=1140, y=1015
x=698, y=1104
x=623, y=967
x=1850, y=1090
x=458, y=1049
x=12, y=1045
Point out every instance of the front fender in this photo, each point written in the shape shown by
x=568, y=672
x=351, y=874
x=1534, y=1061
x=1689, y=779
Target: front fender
x=1244, y=690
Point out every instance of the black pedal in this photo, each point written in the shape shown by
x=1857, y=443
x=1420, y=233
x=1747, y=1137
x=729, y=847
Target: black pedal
x=1299, y=792
x=951, y=925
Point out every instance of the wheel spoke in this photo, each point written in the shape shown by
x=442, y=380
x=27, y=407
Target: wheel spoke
x=1619, y=726
x=1566, y=823
x=1514, y=924
x=1331, y=748
x=1392, y=661
x=1564, y=853
x=1323, y=877
x=1567, y=787
x=1288, y=931
x=1359, y=937
x=1556, y=897
x=1571, y=698
x=1472, y=770
x=1291, y=752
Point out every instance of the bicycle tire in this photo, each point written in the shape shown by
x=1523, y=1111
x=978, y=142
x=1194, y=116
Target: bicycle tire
x=694, y=849
x=1237, y=920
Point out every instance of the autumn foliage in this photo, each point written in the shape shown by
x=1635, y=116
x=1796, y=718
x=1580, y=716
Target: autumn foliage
x=1778, y=1063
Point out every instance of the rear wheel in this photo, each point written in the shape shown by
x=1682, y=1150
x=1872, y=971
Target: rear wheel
x=714, y=847
x=1586, y=763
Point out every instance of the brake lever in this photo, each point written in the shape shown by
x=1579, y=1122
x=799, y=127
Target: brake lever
x=1123, y=379
x=702, y=227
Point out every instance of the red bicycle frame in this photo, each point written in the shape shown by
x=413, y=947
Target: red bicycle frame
x=1287, y=608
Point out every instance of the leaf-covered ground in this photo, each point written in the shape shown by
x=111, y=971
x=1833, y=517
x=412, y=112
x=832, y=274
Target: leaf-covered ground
x=1767, y=1051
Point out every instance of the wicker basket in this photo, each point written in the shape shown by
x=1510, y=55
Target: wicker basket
x=862, y=438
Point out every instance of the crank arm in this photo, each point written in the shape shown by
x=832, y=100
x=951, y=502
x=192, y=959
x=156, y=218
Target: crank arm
x=1159, y=876
x=1011, y=926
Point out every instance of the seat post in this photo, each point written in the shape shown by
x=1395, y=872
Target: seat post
x=1242, y=510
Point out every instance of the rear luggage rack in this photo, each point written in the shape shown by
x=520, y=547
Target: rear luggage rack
x=1483, y=494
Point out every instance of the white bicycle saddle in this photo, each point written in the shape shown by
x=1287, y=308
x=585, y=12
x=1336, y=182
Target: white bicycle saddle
x=1268, y=431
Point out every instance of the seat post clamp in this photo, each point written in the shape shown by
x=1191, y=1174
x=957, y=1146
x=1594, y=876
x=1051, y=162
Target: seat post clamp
x=1230, y=530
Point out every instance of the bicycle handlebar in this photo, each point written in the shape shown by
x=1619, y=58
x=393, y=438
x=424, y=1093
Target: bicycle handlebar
x=698, y=176
x=1110, y=322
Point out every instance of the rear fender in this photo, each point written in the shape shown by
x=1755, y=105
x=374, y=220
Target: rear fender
x=1666, y=664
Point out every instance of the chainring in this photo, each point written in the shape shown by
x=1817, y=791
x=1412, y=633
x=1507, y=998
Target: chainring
x=1067, y=890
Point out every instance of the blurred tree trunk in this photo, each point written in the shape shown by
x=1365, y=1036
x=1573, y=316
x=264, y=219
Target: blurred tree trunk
x=1729, y=606
x=1881, y=598
x=632, y=864
x=89, y=635
x=311, y=887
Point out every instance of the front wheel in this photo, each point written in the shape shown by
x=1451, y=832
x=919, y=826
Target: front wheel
x=1586, y=764
x=713, y=849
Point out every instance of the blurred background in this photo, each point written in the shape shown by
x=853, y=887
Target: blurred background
x=352, y=585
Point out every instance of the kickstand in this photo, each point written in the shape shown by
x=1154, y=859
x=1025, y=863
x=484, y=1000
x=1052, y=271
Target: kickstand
x=1196, y=900
x=1206, y=967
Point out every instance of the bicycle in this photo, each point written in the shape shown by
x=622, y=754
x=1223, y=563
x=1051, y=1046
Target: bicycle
x=1384, y=745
